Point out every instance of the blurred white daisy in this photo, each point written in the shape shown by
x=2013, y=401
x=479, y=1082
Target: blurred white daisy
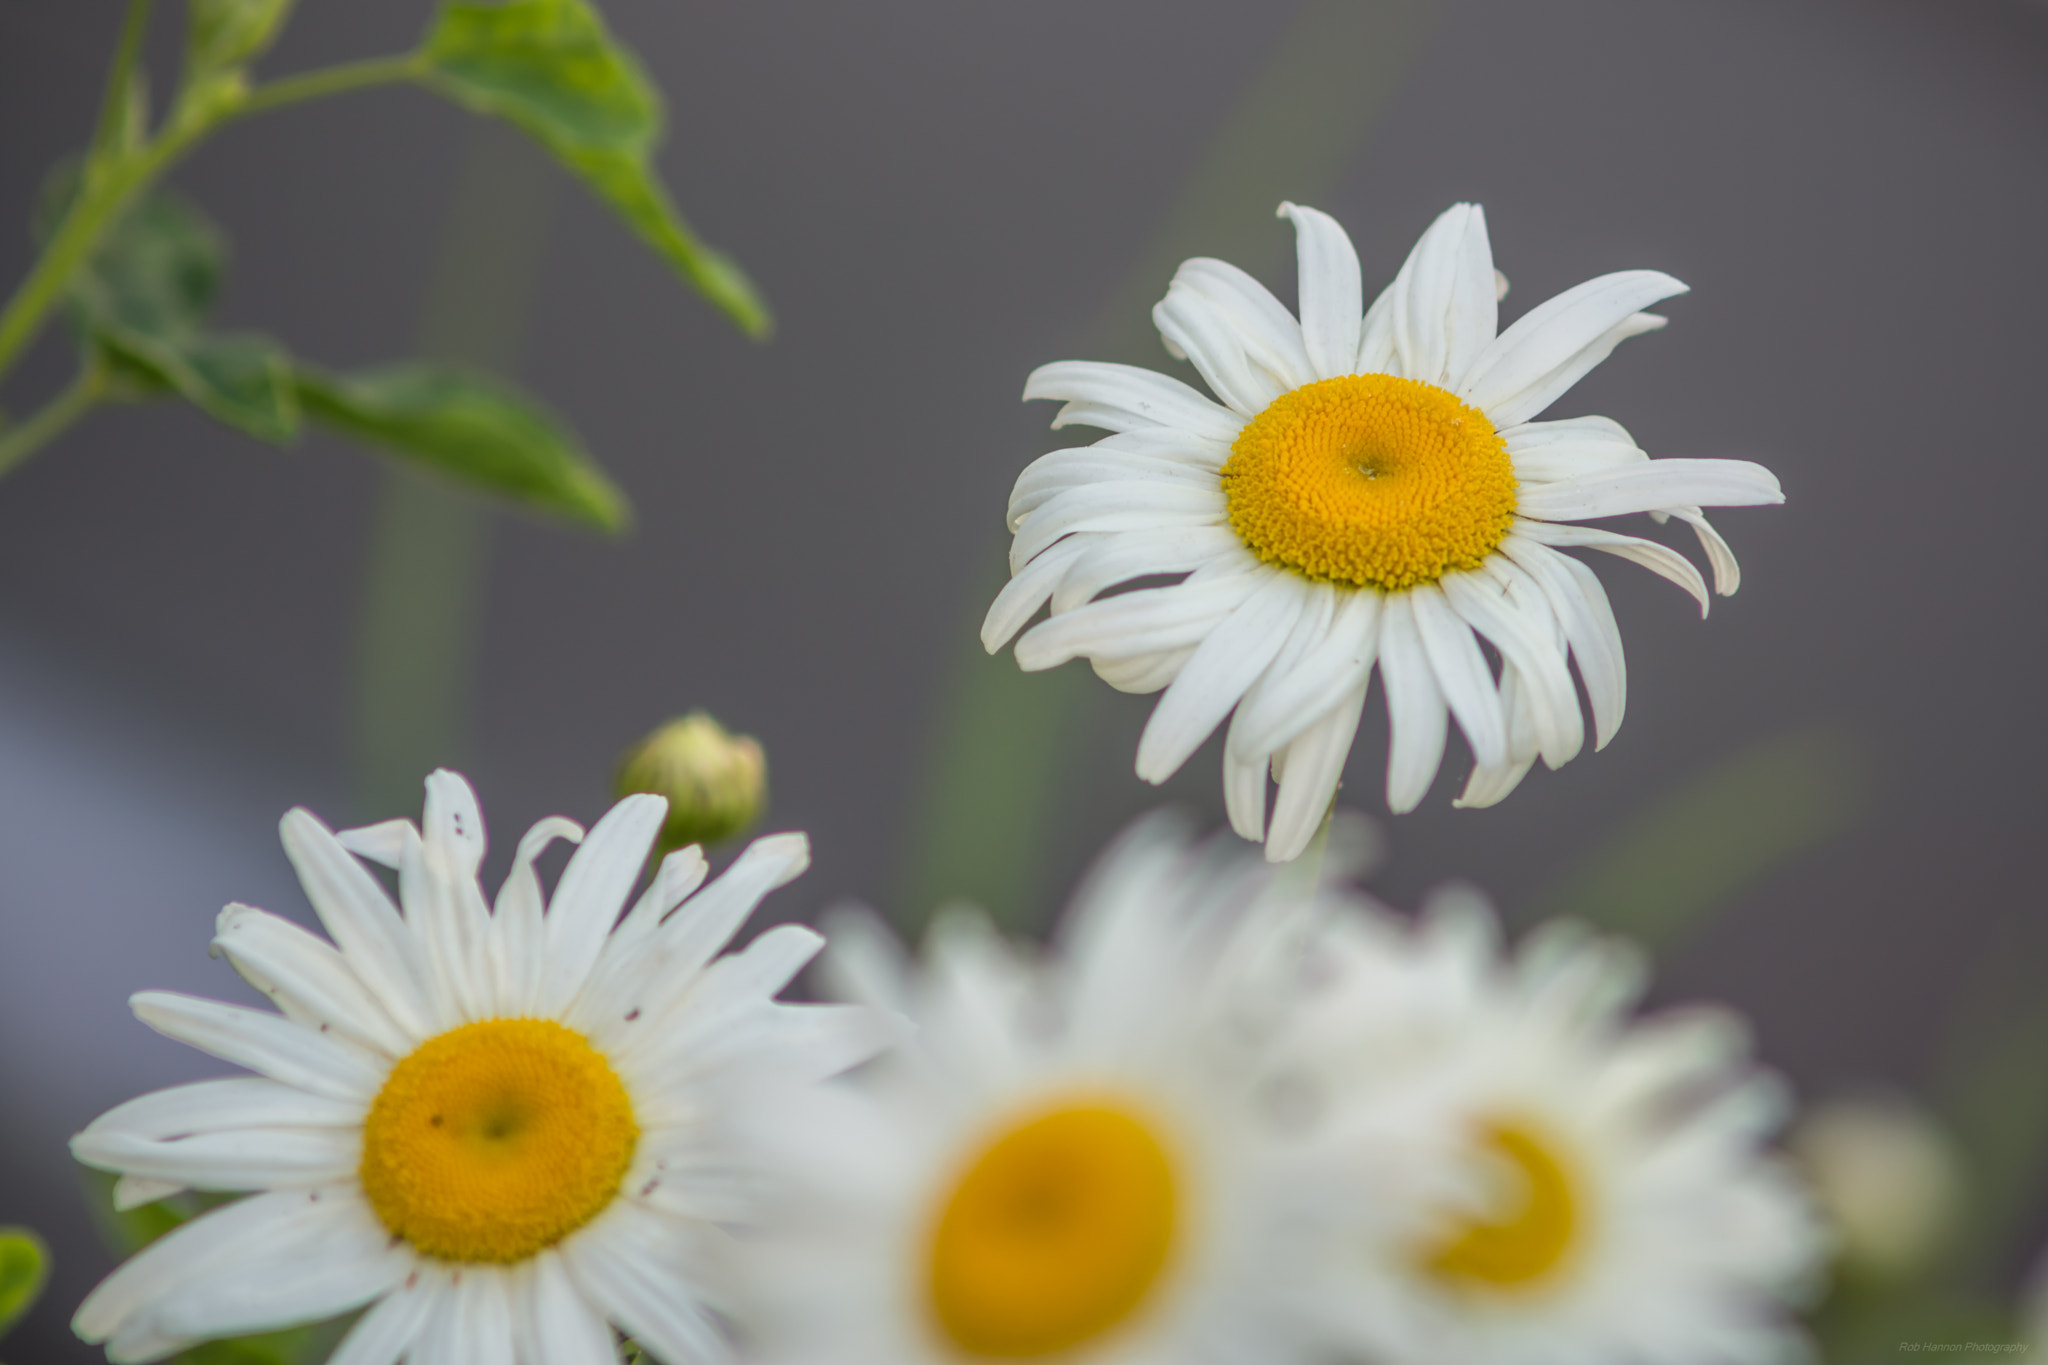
x=1624, y=1211
x=1367, y=488
x=498, y=1128
x=1091, y=1156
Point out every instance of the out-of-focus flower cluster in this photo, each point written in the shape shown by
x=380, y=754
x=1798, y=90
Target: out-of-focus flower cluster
x=1234, y=1112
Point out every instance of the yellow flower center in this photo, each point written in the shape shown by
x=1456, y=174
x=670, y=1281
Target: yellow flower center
x=495, y=1140
x=1055, y=1233
x=1372, y=481
x=1530, y=1235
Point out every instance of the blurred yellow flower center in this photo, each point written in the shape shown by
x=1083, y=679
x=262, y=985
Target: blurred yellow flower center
x=495, y=1140
x=1529, y=1234
x=1054, y=1234
x=1372, y=481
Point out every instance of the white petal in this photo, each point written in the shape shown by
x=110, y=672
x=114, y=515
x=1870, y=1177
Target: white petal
x=1125, y=397
x=1146, y=621
x=1271, y=335
x=518, y=936
x=472, y=1320
x=310, y=971
x=1544, y=452
x=1244, y=787
x=1490, y=786
x=1553, y=334
x=1078, y=466
x=1443, y=306
x=565, y=1328
x=1376, y=336
x=632, y=1275
x=1653, y=486
x=1211, y=339
x=1144, y=674
x=866, y=963
x=1658, y=559
x=1727, y=573
x=1332, y=304
x=1167, y=443
x=240, y=1159
x=1216, y=676
x=1581, y=607
x=269, y=1261
x=675, y=881
x=634, y=983
x=1287, y=701
x=361, y=919
x=1309, y=775
x=1113, y=559
x=264, y=1043
x=1511, y=612
x=1030, y=586
x=444, y=905
x=1461, y=671
x=330, y=1265
x=1126, y=506
x=215, y=1106
x=1553, y=345
x=1416, y=719
x=453, y=824
x=592, y=893
x=393, y=1324
x=383, y=843
x=133, y=1191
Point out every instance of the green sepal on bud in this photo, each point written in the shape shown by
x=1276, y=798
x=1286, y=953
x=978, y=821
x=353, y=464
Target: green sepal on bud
x=716, y=782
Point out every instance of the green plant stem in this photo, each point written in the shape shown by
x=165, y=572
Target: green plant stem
x=17, y=443
x=333, y=80
x=107, y=194
x=121, y=78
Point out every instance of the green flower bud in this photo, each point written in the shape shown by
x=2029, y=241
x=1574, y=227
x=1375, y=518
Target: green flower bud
x=716, y=782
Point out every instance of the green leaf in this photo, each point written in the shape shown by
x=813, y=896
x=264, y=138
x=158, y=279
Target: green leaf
x=272, y=1348
x=551, y=68
x=142, y=302
x=24, y=1266
x=471, y=428
x=243, y=380
x=229, y=33
x=156, y=272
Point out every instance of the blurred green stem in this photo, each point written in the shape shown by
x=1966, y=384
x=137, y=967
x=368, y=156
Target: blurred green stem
x=121, y=79
x=428, y=565
x=19, y=442
x=334, y=80
x=117, y=174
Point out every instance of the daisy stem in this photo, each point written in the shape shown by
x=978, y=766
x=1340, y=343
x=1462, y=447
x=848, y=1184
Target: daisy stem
x=17, y=443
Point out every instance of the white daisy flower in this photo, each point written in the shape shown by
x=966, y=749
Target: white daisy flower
x=1367, y=488
x=1625, y=1210
x=1094, y=1156
x=498, y=1128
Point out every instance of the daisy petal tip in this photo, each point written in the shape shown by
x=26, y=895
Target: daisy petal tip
x=792, y=849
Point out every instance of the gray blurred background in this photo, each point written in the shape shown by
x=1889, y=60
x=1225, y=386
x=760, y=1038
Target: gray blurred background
x=1823, y=805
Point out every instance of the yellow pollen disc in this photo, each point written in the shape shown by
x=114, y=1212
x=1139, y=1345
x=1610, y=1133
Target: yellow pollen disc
x=1533, y=1231
x=495, y=1140
x=1371, y=481
x=1054, y=1234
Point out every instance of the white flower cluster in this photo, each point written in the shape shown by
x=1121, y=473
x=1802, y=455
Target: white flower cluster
x=1232, y=1115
